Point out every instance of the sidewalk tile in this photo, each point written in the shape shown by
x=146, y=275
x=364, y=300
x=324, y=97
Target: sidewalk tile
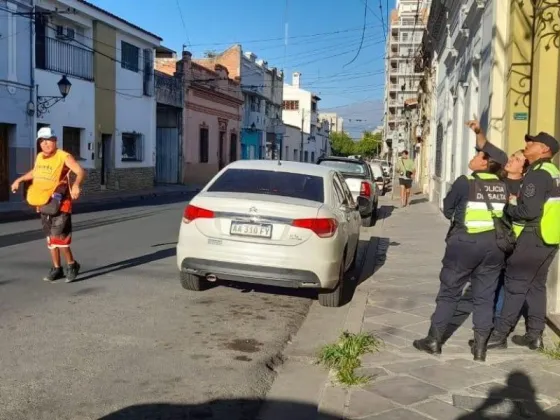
x=405, y=390
x=363, y=403
x=439, y=410
x=398, y=414
x=396, y=319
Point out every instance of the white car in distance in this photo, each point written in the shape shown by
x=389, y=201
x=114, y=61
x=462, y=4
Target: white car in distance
x=277, y=223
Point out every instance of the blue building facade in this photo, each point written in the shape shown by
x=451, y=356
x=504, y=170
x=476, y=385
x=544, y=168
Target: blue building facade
x=17, y=101
x=251, y=144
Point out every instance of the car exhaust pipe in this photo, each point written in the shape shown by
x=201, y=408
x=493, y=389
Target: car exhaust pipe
x=211, y=278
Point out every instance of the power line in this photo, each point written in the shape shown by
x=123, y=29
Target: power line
x=183, y=22
x=363, y=35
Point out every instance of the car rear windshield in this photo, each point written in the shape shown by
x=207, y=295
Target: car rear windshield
x=285, y=184
x=347, y=168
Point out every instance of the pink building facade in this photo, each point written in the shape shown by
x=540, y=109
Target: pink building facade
x=212, y=116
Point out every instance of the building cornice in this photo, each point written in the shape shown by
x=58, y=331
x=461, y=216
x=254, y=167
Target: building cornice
x=212, y=111
x=219, y=97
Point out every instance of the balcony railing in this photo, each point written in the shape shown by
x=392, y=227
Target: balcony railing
x=63, y=57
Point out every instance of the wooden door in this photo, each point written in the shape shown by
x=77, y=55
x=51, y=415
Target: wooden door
x=221, y=147
x=4, y=165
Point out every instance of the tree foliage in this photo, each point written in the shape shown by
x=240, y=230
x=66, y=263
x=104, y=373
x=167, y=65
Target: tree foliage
x=210, y=54
x=343, y=145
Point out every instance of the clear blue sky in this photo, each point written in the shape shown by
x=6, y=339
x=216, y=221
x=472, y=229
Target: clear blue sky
x=324, y=35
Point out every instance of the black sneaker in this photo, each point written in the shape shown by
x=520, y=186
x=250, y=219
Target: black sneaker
x=56, y=273
x=72, y=272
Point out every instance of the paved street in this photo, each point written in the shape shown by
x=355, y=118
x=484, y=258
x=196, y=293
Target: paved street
x=127, y=333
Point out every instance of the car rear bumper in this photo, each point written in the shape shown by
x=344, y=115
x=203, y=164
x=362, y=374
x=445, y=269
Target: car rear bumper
x=250, y=273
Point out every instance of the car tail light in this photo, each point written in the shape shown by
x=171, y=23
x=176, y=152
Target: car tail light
x=365, y=189
x=192, y=212
x=323, y=228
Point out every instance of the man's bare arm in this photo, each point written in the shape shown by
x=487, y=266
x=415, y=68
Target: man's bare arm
x=25, y=177
x=77, y=169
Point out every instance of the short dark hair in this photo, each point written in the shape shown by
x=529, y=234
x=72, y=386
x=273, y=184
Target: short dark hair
x=404, y=152
x=493, y=166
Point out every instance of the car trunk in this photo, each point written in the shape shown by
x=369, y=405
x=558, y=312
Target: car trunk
x=255, y=218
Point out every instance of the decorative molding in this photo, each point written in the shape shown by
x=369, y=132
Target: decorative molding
x=211, y=111
x=215, y=96
x=222, y=123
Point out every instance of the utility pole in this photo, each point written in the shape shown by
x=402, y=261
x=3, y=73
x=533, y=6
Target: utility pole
x=302, y=122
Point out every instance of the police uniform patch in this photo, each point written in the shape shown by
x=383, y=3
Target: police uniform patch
x=529, y=190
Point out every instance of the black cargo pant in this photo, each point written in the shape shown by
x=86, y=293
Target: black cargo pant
x=477, y=258
x=525, y=281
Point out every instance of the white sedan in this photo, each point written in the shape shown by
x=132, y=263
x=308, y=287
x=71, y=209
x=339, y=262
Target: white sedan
x=278, y=223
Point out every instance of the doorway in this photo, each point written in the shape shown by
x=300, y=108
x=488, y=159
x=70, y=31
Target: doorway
x=4, y=163
x=221, y=146
x=106, y=157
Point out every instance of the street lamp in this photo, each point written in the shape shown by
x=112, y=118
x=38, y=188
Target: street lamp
x=46, y=102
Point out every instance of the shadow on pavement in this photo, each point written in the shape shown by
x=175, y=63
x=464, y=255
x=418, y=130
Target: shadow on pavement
x=516, y=400
x=385, y=212
x=36, y=234
x=232, y=409
x=418, y=200
x=123, y=265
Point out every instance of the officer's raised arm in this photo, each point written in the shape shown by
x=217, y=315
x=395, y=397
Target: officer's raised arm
x=482, y=143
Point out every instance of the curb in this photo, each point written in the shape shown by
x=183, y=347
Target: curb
x=334, y=399
x=87, y=206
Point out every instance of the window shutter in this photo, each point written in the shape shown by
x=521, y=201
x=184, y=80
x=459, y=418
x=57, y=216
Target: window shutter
x=148, y=72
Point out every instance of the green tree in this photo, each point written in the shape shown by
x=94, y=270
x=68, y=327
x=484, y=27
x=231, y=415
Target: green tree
x=210, y=54
x=342, y=144
x=370, y=144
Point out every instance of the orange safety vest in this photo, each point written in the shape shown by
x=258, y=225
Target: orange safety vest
x=47, y=175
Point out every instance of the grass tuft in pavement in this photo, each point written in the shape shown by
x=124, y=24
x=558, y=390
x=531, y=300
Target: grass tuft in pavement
x=344, y=356
x=552, y=352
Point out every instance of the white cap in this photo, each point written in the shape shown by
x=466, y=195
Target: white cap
x=46, y=133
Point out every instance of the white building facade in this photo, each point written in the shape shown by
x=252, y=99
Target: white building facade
x=108, y=119
x=300, y=109
x=336, y=123
x=462, y=46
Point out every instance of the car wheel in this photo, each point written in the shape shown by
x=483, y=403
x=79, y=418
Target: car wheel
x=333, y=298
x=193, y=282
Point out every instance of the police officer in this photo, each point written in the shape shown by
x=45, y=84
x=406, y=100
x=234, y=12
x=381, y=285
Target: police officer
x=471, y=252
x=536, y=217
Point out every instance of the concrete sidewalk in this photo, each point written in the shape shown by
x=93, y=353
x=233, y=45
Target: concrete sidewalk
x=395, y=304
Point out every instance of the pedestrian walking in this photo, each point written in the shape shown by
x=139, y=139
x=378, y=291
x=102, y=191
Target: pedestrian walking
x=472, y=252
x=51, y=194
x=536, y=217
x=406, y=170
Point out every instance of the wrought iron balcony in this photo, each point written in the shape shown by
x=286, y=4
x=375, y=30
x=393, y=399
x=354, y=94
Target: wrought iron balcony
x=63, y=57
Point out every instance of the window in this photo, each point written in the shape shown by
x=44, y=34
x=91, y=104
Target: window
x=203, y=145
x=439, y=151
x=290, y=105
x=278, y=183
x=132, y=147
x=405, y=37
x=71, y=141
x=233, y=147
x=296, y=158
x=347, y=168
x=312, y=157
x=130, y=56
x=306, y=156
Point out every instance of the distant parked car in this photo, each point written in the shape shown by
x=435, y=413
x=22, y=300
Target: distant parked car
x=287, y=224
x=379, y=177
x=361, y=182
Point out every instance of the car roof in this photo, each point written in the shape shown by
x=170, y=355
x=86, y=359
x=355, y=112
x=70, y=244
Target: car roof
x=284, y=166
x=341, y=159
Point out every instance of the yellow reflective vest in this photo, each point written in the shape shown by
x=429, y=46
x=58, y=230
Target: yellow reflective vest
x=478, y=217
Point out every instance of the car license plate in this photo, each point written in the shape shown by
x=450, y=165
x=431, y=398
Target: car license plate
x=256, y=230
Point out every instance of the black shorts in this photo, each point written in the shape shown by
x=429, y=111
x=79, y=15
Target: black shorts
x=407, y=183
x=58, y=230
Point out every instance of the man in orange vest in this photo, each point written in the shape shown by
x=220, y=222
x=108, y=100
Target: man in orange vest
x=51, y=194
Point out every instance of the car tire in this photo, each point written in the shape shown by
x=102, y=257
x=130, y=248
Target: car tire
x=334, y=298
x=193, y=282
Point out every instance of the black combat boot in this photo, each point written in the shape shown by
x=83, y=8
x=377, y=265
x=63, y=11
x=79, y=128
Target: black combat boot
x=431, y=344
x=478, y=346
x=533, y=341
x=497, y=340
